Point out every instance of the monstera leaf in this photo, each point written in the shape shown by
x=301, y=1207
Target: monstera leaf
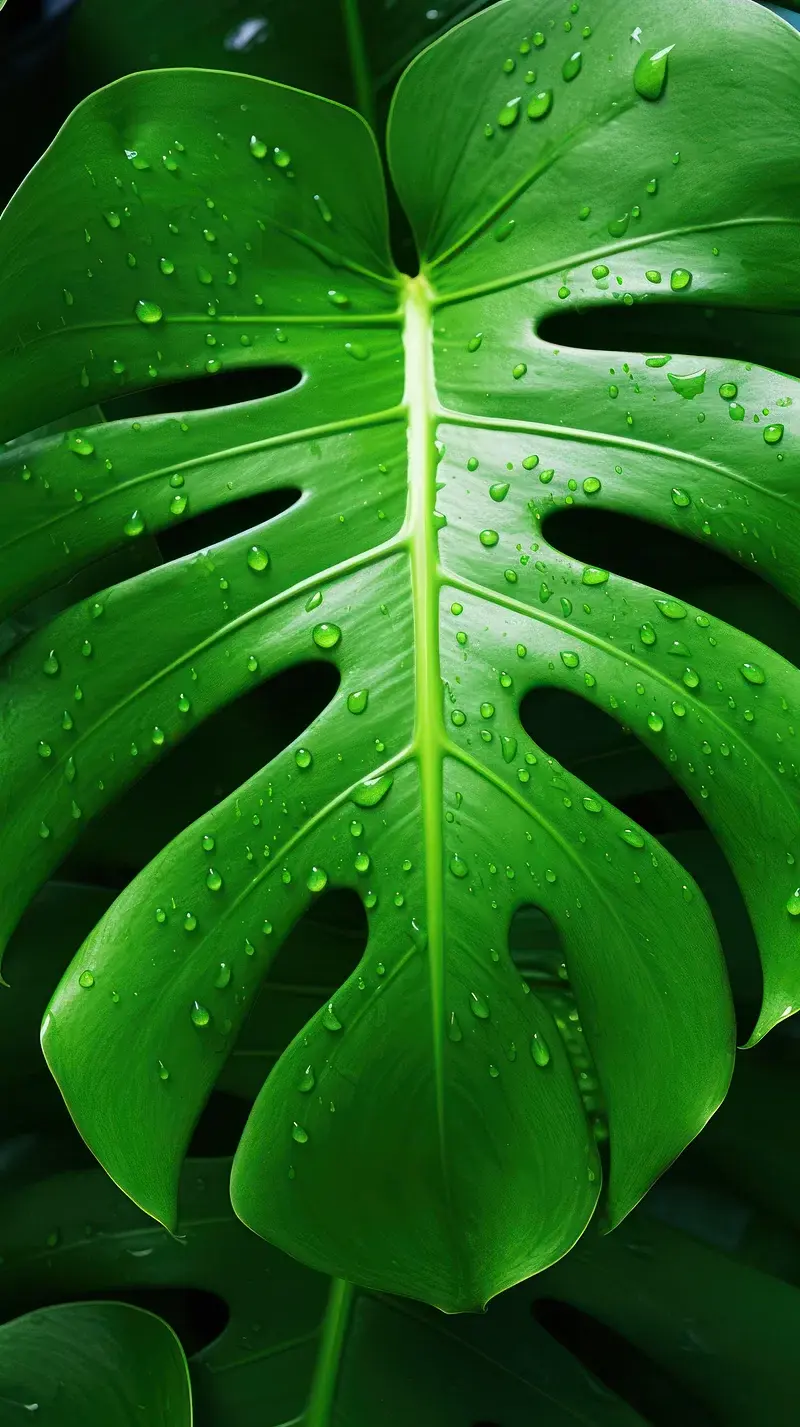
x=98, y=1363
x=424, y=1133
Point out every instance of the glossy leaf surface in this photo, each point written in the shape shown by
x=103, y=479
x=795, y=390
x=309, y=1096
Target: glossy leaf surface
x=103, y=1364
x=424, y=1133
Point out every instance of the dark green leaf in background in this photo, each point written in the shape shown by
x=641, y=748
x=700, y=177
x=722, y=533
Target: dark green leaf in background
x=101, y=1364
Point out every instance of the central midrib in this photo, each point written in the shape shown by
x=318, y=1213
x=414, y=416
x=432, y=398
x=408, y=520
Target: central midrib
x=428, y=744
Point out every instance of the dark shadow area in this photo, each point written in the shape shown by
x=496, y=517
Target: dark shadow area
x=218, y=756
x=220, y=1126
x=697, y=573
x=197, y=532
x=202, y=393
x=320, y=953
x=33, y=83
x=769, y=339
x=196, y=1315
x=622, y=1368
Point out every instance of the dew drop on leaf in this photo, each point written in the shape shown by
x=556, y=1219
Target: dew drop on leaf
x=326, y=636
x=372, y=791
x=479, y=1006
x=773, y=434
x=540, y=1049
x=679, y=279
x=540, y=104
x=753, y=673
x=357, y=701
x=593, y=575
x=148, y=312
x=86, y=980
x=257, y=558
x=200, y=1015
x=650, y=74
x=307, y=1081
x=299, y=1134
x=330, y=1020
x=317, y=880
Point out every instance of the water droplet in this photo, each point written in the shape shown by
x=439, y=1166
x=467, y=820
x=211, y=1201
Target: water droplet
x=599, y=271
x=200, y=1015
x=499, y=490
x=519, y=370
x=257, y=558
x=592, y=485
x=479, y=1006
x=148, y=312
x=655, y=722
x=773, y=434
x=679, y=279
x=593, y=575
x=223, y=976
x=689, y=385
x=632, y=836
x=650, y=74
x=691, y=678
x=281, y=158
x=680, y=497
x=488, y=538
x=330, y=1020
x=540, y=1049
x=592, y=805
x=570, y=659
x=79, y=443
x=540, y=104
x=753, y=673
x=728, y=391
x=454, y=1031
x=372, y=791
x=458, y=866
x=213, y=880
x=326, y=636
x=357, y=351
x=509, y=113
x=572, y=66
x=357, y=701
x=299, y=1134
x=475, y=342
x=793, y=904
x=163, y=1073
x=307, y=1081
x=86, y=979
x=338, y=299
x=134, y=525
x=51, y=665
x=317, y=880
x=736, y=411
x=671, y=609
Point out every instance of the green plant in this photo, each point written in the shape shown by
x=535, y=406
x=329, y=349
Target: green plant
x=184, y=223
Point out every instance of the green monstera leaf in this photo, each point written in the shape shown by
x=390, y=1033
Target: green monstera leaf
x=104, y=1364
x=424, y=1133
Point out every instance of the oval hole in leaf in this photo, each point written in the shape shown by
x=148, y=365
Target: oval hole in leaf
x=197, y=531
x=622, y=1367
x=742, y=334
x=685, y=569
x=320, y=953
x=202, y=393
x=213, y=760
x=591, y=744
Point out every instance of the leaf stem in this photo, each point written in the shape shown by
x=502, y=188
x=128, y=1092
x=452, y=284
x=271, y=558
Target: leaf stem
x=359, y=64
x=326, y=1372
